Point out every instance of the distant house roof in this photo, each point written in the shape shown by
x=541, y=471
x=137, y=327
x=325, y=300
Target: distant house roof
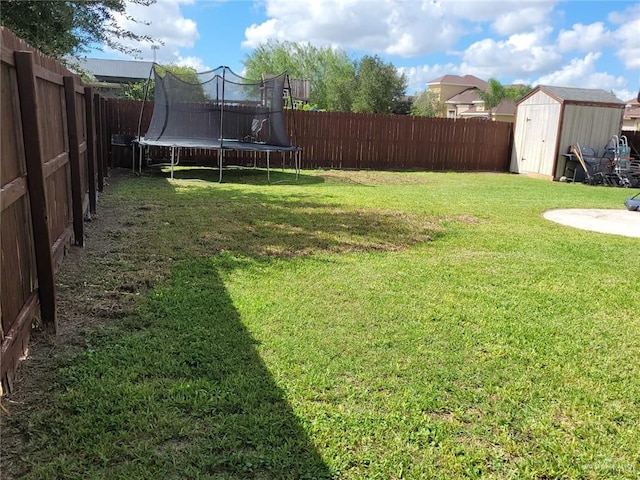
x=467, y=80
x=505, y=107
x=117, y=71
x=577, y=95
x=632, y=112
x=470, y=95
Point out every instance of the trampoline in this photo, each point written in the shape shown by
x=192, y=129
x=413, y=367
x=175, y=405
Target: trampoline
x=217, y=110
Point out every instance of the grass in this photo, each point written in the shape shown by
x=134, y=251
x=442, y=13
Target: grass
x=352, y=325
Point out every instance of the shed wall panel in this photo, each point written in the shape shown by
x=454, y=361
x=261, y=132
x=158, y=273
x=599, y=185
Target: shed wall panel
x=589, y=126
x=539, y=98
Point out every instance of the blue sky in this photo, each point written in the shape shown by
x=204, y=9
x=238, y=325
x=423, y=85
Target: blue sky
x=589, y=44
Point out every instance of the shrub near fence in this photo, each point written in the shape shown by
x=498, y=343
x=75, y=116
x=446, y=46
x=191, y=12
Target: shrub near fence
x=358, y=141
x=53, y=153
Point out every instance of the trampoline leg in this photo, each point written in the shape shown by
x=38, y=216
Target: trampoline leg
x=268, y=172
x=173, y=154
x=296, y=159
x=220, y=165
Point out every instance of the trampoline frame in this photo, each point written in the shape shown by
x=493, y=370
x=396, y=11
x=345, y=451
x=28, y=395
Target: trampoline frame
x=175, y=148
x=220, y=145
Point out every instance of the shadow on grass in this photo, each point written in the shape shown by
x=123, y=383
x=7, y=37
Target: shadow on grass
x=201, y=219
x=180, y=392
x=236, y=175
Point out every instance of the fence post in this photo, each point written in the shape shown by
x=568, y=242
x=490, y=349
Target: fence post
x=37, y=188
x=91, y=147
x=100, y=135
x=74, y=160
x=106, y=134
x=104, y=140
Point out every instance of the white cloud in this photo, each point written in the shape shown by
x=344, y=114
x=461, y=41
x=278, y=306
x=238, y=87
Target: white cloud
x=627, y=36
x=417, y=77
x=520, y=54
x=393, y=27
x=165, y=23
x=582, y=73
x=194, y=62
x=584, y=38
x=522, y=18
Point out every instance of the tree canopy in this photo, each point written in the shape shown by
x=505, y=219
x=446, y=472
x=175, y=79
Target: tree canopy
x=337, y=82
x=136, y=90
x=61, y=28
x=427, y=104
x=379, y=86
x=331, y=73
x=496, y=93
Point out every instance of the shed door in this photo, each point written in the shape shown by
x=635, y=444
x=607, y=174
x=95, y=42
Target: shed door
x=537, y=138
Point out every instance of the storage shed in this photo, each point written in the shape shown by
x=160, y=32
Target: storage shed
x=551, y=119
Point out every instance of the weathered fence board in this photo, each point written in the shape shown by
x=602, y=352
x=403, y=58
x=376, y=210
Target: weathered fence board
x=33, y=141
x=45, y=136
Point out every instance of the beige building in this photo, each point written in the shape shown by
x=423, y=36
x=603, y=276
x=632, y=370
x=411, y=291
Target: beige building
x=631, y=117
x=461, y=100
x=449, y=85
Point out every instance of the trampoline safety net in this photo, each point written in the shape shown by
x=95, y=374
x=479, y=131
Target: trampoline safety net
x=217, y=109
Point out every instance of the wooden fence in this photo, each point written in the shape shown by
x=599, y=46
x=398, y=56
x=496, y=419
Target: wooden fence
x=358, y=141
x=53, y=162
x=633, y=138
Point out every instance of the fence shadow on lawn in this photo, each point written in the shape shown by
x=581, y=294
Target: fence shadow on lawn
x=187, y=352
x=220, y=383
x=178, y=390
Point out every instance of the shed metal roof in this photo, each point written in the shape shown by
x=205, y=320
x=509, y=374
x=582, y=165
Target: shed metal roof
x=582, y=95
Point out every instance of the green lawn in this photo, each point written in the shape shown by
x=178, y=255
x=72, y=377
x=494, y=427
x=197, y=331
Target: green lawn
x=352, y=325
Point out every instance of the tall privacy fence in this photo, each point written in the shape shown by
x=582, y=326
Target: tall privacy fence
x=357, y=141
x=54, y=158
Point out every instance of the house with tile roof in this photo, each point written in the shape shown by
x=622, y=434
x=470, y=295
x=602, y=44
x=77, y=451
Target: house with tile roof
x=448, y=86
x=461, y=99
x=631, y=116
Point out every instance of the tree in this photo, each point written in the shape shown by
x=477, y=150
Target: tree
x=427, y=104
x=516, y=92
x=331, y=73
x=62, y=28
x=379, y=86
x=493, y=95
x=496, y=93
x=191, y=90
x=337, y=82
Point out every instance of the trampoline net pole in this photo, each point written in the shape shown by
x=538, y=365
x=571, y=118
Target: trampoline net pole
x=173, y=153
x=220, y=155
